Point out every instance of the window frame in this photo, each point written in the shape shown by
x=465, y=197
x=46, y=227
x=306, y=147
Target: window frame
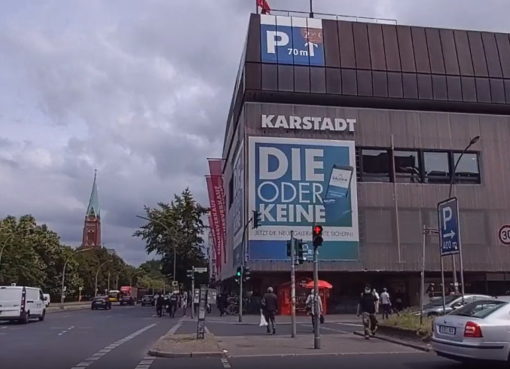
x=466, y=180
x=425, y=177
x=371, y=178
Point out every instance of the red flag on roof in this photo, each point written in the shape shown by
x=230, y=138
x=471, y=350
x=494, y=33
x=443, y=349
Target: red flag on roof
x=264, y=5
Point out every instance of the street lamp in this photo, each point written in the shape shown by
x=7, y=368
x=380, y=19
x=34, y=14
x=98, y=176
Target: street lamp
x=97, y=274
x=452, y=181
x=64, y=275
x=169, y=233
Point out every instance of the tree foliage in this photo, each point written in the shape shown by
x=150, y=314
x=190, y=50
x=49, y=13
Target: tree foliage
x=32, y=255
x=175, y=227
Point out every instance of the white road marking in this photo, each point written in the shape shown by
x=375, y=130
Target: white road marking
x=98, y=355
x=145, y=363
x=350, y=324
x=225, y=363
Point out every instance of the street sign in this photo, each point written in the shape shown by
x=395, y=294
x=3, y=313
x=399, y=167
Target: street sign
x=504, y=234
x=201, y=270
x=449, y=228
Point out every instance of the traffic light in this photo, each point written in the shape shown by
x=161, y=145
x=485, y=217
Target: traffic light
x=238, y=274
x=301, y=252
x=256, y=218
x=246, y=274
x=317, y=235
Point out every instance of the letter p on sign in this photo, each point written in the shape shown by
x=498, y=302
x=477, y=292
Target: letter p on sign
x=274, y=39
x=447, y=216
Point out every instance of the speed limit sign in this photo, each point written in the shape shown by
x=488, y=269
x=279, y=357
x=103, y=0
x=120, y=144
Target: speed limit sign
x=504, y=234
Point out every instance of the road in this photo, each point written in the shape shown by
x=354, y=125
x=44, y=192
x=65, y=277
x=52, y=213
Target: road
x=120, y=338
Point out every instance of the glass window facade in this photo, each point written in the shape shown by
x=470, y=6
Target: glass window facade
x=375, y=165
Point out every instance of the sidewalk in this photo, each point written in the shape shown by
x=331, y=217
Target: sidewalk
x=283, y=319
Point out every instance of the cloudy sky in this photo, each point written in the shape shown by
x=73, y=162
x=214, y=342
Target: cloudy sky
x=139, y=90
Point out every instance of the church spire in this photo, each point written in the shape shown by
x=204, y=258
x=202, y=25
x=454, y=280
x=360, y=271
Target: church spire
x=93, y=208
x=92, y=226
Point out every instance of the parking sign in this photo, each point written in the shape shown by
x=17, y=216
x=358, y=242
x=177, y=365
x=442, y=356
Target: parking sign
x=449, y=228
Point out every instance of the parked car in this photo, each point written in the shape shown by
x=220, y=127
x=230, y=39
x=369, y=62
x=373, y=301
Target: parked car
x=101, y=302
x=452, y=302
x=21, y=303
x=147, y=300
x=479, y=331
x=127, y=300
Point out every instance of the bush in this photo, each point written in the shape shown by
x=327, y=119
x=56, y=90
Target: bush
x=410, y=321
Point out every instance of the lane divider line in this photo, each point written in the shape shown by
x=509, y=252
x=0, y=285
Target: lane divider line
x=225, y=363
x=98, y=355
x=145, y=363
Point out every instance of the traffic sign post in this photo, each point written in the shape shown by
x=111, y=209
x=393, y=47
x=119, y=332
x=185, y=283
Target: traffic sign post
x=449, y=234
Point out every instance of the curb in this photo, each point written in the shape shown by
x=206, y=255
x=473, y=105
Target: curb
x=181, y=355
x=397, y=341
x=65, y=309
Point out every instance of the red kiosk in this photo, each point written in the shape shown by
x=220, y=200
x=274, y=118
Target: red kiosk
x=303, y=289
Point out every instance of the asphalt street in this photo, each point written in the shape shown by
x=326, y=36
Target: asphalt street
x=121, y=337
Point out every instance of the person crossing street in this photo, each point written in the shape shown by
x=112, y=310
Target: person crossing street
x=367, y=308
x=270, y=307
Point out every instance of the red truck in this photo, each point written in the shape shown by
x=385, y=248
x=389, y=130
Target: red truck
x=128, y=295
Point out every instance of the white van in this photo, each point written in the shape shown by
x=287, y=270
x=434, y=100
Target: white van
x=21, y=303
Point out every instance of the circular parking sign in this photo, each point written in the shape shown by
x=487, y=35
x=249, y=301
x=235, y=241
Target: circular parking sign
x=504, y=234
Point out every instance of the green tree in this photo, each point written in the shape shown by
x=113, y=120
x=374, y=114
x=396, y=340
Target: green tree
x=176, y=224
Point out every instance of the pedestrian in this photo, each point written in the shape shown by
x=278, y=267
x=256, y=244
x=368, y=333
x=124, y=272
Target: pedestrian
x=160, y=301
x=376, y=295
x=366, y=308
x=310, y=308
x=222, y=303
x=270, y=306
x=184, y=302
x=173, y=303
x=385, y=304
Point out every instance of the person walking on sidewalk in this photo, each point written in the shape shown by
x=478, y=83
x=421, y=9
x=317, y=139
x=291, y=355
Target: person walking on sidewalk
x=366, y=308
x=269, y=307
x=385, y=304
x=310, y=308
x=159, y=304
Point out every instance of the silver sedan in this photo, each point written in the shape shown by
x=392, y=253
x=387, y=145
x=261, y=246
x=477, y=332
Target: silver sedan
x=479, y=331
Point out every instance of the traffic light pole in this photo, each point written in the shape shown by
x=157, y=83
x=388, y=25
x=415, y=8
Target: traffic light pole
x=293, y=282
x=192, y=291
x=316, y=330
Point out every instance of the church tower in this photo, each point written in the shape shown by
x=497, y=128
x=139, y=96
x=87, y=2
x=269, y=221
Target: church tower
x=92, y=227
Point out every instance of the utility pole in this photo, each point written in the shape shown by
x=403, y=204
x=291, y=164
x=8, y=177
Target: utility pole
x=192, y=291
x=426, y=231
x=293, y=282
x=316, y=331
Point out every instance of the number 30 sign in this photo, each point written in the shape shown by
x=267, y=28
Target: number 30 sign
x=504, y=234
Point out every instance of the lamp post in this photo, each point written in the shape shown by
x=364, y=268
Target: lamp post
x=64, y=276
x=452, y=181
x=97, y=274
x=169, y=233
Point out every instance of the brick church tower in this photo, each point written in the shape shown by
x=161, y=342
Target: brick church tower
x=92, y=226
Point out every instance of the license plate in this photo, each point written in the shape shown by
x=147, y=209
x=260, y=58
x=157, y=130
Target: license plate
x=450, y=331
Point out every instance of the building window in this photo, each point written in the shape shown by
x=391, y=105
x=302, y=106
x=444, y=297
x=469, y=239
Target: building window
x=407, y=166
x=436, y=167
x=467, y=170
x=375, y=165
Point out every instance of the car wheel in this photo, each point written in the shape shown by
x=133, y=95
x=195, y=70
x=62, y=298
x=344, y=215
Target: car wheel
x=41, y=318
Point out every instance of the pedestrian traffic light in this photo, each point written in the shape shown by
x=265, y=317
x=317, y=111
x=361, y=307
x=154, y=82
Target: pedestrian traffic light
x=317, y=235
x=301, y=252
x=256, y=219
x=246, y=274
x=238, y=274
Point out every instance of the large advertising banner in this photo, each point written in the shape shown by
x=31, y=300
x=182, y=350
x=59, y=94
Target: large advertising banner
x=218, y=205
x=214, y=223
x=295, y=183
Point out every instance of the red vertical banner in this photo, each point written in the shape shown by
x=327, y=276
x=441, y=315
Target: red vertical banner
x=218, y=201
x=216, y=251
x=214, y=223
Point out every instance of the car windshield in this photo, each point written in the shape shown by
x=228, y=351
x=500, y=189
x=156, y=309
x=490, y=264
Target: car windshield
x=438, y=301
x=479, y=309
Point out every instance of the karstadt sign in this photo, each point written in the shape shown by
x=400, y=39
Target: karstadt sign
x=308, y=123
